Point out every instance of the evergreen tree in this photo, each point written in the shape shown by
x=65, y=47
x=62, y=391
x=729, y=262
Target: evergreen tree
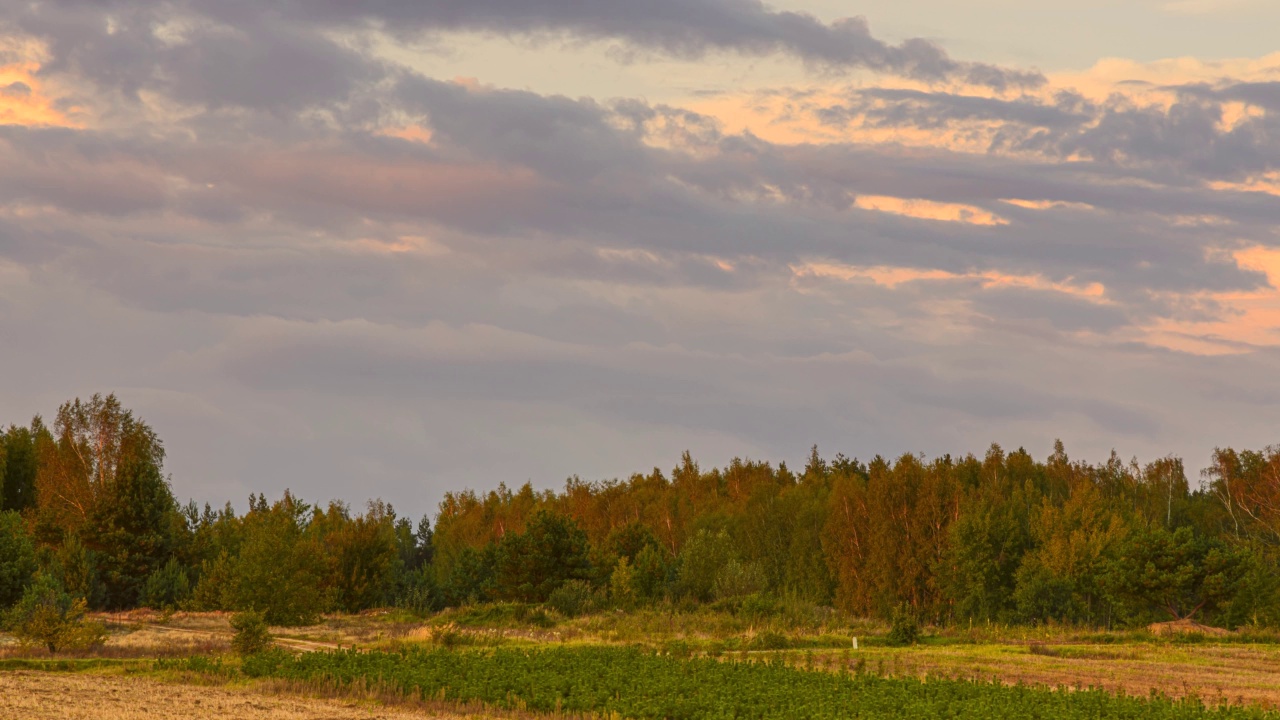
x=17, y=558
x=529, y=566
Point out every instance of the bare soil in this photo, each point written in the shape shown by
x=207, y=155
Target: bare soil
x=80, y=696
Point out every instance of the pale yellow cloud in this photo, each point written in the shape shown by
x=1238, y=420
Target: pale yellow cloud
x=892, y=277
x=24, y=100
x=929, y=210
x=1252, y=319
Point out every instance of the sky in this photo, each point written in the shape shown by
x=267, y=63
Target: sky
x=393, y=248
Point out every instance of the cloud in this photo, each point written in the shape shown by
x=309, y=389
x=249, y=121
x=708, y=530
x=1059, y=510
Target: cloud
x=311, y=265
x=681, y=28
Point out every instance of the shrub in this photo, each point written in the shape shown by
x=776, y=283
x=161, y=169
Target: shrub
x=678, y=649
x=769, y=641
x=252, y=636
x=47, y=615
x=167, y=587
x=418, y=592
x=737, y=579
x=572, y=598
x=264, y=663
x=905, y=629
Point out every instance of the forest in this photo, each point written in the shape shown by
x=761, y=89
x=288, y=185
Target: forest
x=953, y=540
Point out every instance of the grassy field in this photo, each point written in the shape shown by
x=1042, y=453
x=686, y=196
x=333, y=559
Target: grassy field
x=1239, y=671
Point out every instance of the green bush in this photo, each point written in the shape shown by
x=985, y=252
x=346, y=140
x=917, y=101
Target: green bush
x=48, y=616
x=572, y=598
x=905, y=629
x=769, y=641
x=166, y=588
x=252, y=636
x=265, y=663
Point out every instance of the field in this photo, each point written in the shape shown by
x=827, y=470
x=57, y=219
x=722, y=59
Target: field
x=27, y=695
x=503, y=660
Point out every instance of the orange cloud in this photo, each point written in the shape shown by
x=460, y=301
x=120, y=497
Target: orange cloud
x=412, y=133
x=1252, y=319
x=892, y=277
x=929, y=210
x=23, y=98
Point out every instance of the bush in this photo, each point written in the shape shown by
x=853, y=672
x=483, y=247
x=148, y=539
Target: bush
x=264, y=663
x=418, y=592
x=769, y=641
x=572, y=598
x=252, y=636
x=905, y=629
x=167, y=587
x=48, y=616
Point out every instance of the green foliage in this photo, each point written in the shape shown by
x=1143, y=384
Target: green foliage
x=624, y=682
x=166, y=588
x=737, y=579
x=529, y=566
x=17, y=559
x=1180, y=573
x=252, y=635
x=769, y=640
x=74, y=567
x=472, y=578
x=215, y=589
x=113, y=461
x=362, y=555
x=701, y=561
x=19, y=467
x=650, y=574
x=49, y=617
x=572, y=599
x=904, y=628
x=280, y=569
x=418, y=592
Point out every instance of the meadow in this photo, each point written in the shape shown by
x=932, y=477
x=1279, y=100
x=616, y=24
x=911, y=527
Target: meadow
x=513, y=660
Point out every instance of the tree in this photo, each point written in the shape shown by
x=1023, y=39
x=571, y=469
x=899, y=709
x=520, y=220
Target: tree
x=17, y=558
x=132, y=526
x=166, y=588
x=1180, y=573
x=531, y=565
x=362, y=554
x=701, y=561
x=18, y=468
x=47, y=615
x=280, y=568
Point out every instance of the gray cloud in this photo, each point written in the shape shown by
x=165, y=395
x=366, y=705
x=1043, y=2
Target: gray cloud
x=683, y=28
x=557, y=285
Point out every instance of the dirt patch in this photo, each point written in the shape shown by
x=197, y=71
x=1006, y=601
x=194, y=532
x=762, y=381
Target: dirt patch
x=1216, y=673
x=59, y=696
x=1185, y=627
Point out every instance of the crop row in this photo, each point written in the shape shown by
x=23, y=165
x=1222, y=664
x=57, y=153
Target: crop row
x=638, y=684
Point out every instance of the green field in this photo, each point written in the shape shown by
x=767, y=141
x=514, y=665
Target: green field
x=636, y=683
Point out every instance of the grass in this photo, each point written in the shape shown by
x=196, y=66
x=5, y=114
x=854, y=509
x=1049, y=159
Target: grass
x=635, y=683
x=81, y=696
x=1243, y=669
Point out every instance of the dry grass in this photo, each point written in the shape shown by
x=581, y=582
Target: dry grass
x=62, y=696
x=1216, y=673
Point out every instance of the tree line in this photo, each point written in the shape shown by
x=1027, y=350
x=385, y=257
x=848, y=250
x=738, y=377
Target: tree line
x=1003, y=537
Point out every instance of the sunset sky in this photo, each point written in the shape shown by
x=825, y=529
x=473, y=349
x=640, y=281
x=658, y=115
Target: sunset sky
x=389, y=248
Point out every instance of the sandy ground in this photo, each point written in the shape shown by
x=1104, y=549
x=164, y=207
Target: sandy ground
x=1237, y=674
x=62, y=696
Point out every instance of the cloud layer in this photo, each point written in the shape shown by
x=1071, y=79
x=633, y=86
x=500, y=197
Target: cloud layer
x=310, y=264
